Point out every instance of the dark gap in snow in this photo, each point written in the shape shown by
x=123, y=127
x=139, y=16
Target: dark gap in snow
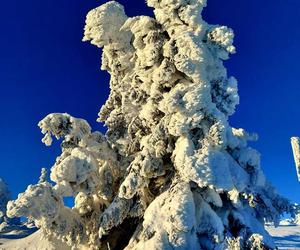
x=119, y=237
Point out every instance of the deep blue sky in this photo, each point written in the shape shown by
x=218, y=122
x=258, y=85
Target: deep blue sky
x=44, y=68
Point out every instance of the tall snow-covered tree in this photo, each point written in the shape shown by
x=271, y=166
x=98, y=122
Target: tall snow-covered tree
x=170, y=172
x=295, y=141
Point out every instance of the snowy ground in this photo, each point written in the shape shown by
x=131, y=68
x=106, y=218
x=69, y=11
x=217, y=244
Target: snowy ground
x=286, y=237
x=36, y=241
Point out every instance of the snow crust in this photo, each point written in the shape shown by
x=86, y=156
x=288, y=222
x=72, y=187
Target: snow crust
x=170, y=173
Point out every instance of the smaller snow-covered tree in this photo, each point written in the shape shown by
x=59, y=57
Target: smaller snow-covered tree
x=5, y=196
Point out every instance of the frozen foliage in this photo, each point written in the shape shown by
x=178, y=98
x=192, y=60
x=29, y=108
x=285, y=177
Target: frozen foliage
x=170, y=173
x=296, y=151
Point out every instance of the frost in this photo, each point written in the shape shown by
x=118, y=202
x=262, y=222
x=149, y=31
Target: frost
x=103, y=25
x=170, y=172
x=222, y=38
x=63, y=125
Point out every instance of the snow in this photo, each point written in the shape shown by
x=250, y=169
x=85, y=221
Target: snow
x=35, y=241
x=103, y=25
x=167, y=222
x=286, y=236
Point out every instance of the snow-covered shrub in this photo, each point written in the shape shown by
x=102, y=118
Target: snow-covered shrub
x=170, y=173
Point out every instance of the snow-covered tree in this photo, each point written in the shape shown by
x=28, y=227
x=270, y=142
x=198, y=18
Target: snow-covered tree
x=5, y=222
x=170, y=173
x=295, y=141
x=296, y=219
x=4, y=198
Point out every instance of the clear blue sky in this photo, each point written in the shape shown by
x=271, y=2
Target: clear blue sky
x=44, y=68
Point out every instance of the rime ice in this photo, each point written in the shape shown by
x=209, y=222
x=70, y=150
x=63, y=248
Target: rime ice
x=170, y=173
